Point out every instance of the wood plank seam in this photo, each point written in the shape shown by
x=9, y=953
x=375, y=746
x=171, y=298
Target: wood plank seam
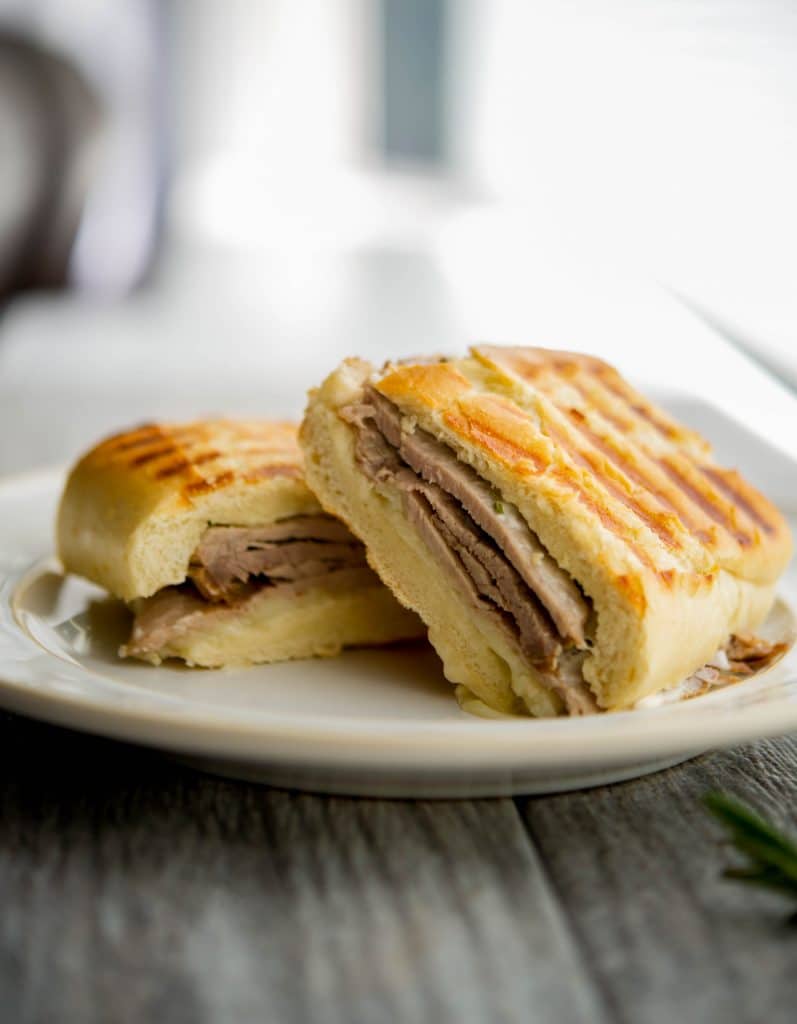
x=602, y=995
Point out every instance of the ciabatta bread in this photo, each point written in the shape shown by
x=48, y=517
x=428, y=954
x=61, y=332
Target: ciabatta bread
x=592, y=487
x=189, y=523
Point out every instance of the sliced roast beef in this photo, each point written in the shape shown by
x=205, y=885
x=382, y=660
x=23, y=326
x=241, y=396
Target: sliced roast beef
x=298, y=548
x=233, y=565
x=483, y=543
x=538, y=637
x=386, y=416
x=438, y=464
x=502, y=521
x=161, y=618
x=747, y=654
x=568, y=680
x=421, y=515
x=377, y=457
x=310, y=527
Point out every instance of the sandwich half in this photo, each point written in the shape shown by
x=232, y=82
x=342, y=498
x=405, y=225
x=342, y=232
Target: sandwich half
x=570, y=547
x=210, y=533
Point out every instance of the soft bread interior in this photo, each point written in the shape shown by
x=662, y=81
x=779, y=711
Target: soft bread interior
x=270, y=627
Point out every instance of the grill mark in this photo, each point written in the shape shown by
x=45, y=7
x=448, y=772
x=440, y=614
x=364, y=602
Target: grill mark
x=650, y=417
x=607, y=518
x=172, y=469
x=633, y=590
x=495, y=444
x=653, y=521
x=567, y=367
x=688, y=501
x=624, y=464
x=525, y=370
x=734, y=493
x=597, y=396
x=489, y=438
x=175, y=452
x=693, y=494
x=189, y=430
x=528, y=367
x=197, y=487
x=575, y=369
x=203, y=457
x=622, y=425
x=620, y=389
x=635, y=410
x=126, y=442
x=704, y=501
x=152, y=454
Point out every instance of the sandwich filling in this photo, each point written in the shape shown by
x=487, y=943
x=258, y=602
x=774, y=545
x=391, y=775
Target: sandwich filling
x=495, y=560
x=233, y=565
x=484, y=545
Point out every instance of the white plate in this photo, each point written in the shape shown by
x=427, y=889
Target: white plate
x=368, y=723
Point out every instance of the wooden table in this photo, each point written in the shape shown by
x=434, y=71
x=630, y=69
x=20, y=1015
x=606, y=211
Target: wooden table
x=133, y=889
x=136, y=890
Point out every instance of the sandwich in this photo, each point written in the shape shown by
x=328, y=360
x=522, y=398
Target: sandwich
x=225, y=557
x=570, y=547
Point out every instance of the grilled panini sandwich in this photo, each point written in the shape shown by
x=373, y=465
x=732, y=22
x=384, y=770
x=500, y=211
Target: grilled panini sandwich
x=570, y=547
x=209, y=531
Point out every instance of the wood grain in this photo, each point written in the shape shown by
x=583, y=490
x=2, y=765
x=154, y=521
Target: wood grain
x=637, y=869
x=134, y=890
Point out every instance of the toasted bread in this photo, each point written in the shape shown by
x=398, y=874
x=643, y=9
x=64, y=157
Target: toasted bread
x=672, y=552
x=136, y=507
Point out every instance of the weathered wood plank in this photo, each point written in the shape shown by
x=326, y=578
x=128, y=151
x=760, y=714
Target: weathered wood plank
x=136, y=890
x=637, y=868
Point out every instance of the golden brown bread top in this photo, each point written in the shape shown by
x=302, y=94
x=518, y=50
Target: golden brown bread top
x=193, y=459
x=135, y=506
x=574, y=422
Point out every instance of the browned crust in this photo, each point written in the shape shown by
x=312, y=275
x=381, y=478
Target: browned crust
x=573, y=419
x=202, y=457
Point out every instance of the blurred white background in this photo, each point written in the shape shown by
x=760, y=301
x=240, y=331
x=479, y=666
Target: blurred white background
x=279, y=183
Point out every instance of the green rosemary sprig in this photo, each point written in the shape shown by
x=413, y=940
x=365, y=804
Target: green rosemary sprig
x=771, y=855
